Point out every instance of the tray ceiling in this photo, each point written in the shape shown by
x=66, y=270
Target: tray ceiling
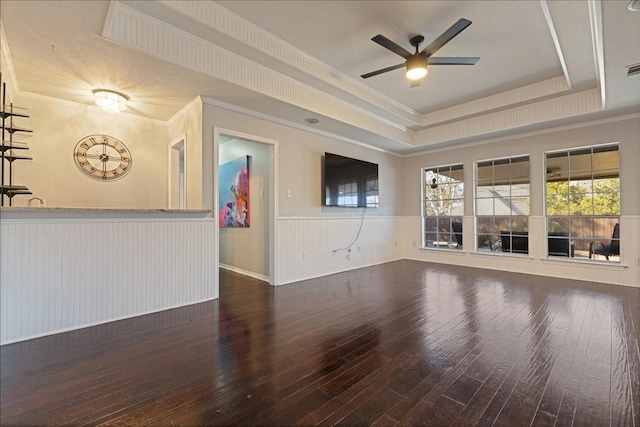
x=542, y=63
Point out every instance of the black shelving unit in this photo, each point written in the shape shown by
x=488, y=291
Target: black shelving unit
x=11, y=150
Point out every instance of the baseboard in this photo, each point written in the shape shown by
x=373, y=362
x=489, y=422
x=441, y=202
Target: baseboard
x=245, y=272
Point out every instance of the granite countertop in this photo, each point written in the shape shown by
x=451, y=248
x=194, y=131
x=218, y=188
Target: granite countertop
x=17, y=213
x=47, y=208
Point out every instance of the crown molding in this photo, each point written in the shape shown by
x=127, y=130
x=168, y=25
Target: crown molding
x=183, y=110
x=294, y=125
x=552, y=109
x=498, y=101
x=516, y=136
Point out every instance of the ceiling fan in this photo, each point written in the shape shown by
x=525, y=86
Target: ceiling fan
x=417, y=62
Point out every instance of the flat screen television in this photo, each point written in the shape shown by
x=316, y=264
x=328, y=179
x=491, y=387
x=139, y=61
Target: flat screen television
x=349, y=183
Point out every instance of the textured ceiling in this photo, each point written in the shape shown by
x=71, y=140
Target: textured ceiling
x=531, y=52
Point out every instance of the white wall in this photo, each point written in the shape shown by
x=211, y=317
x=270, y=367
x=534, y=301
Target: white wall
x=66, y=269
x=299, y=161
x=306, y=232
x=247, y=249
x=52, y=175
x=626, y=132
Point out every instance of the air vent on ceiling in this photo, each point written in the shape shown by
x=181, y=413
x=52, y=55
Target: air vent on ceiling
x=634, y=69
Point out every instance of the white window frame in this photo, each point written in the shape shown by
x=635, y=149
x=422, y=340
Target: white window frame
x=509, y=230
x=590, y=237
x=444, y=235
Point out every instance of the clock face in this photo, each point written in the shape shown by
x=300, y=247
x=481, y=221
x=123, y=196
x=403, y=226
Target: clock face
x=102, y=157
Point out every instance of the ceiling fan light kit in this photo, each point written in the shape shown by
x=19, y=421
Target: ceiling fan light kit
x=416, y=67
x=417, y=62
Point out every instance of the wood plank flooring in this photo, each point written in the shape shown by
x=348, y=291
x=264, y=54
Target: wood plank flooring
x=404, y=343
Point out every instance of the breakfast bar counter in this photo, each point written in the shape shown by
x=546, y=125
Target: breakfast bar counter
x=67, y=268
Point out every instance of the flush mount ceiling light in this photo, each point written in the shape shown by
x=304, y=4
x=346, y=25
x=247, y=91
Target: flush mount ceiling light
x=312, y=120
x=110, y=101
x=634, y=6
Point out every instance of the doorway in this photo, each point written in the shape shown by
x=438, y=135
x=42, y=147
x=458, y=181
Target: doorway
x=247, y=248
x=177, y=198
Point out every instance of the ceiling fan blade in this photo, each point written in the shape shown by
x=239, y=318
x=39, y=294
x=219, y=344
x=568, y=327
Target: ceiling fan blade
x=457, y=60
x=385, y=42
x=445, y=37
x=383, y=70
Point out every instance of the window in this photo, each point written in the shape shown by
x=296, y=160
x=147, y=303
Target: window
x=583, y=203
x=443, y=206
x=502, y=205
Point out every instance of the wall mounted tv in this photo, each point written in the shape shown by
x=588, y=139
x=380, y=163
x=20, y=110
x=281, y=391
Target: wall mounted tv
x=349, y=183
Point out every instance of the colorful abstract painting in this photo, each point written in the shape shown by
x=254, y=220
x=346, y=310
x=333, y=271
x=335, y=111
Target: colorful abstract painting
x=233, y=205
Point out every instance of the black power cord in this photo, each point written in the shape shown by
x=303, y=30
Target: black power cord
x=346, y=248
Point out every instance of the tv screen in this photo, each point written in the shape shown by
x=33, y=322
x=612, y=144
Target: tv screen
x=349, y=183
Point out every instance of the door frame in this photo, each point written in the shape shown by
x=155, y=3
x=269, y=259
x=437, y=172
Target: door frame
x=173, y=150
x=273, y=191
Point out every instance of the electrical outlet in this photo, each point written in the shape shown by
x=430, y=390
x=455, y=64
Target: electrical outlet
x=288, y=193
x=305, y=255
x=348, y=256
x=358, y=248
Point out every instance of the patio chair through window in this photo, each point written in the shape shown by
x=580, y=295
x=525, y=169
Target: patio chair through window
x=606, y=250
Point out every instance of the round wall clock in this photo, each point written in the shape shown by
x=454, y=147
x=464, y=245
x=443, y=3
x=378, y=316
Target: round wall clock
x=102, y=157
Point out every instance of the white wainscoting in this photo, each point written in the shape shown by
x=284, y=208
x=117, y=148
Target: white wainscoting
x=305, y=245
x=627, y=272
x=63, y=274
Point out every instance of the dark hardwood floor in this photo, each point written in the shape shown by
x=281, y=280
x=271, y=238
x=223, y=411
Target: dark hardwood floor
x=404, y=343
